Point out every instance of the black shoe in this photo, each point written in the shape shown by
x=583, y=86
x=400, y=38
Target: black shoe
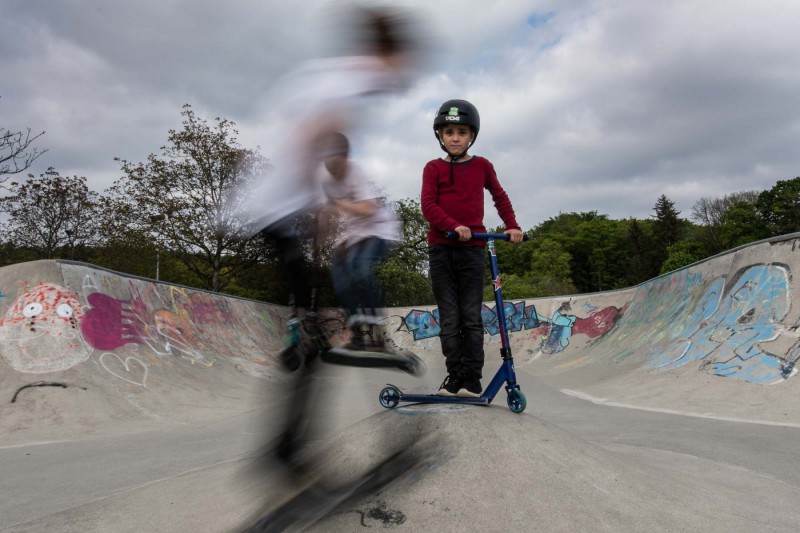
x=470, y=388
x=359, y=338
x=290, y=357
x=450, y=386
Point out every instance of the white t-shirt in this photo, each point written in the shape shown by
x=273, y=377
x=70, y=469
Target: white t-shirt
x=354, y=187
x=321, y=88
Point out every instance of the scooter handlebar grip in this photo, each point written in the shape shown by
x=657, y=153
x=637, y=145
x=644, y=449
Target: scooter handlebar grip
x=501, y=236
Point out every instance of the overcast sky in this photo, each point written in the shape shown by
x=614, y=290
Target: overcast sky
x=585, y=105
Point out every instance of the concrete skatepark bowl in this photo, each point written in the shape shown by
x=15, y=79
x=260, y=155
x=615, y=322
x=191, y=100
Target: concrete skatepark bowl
x=133, y=405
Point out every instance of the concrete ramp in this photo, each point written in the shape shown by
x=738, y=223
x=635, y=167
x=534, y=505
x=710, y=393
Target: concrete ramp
x=88, y=352
x=82, y=346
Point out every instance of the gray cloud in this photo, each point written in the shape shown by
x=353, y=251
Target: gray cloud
x=585, y=105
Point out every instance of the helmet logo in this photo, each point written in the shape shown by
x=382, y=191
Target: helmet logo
x=452, y=115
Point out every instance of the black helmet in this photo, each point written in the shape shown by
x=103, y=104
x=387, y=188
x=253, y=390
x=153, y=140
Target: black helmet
x=457, y=112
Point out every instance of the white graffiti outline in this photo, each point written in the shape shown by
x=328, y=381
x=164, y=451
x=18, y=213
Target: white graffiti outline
x=126, y=365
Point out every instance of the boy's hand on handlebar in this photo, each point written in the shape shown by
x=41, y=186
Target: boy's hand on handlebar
x=514, y=235
x=464, y=233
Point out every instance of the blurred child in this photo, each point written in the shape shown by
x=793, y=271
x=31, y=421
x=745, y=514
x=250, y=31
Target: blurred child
x=371, y=231
x=319, y=99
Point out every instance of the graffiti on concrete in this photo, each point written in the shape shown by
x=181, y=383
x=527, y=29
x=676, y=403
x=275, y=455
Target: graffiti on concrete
x=518, y=317
x=110, y=323
x=49, y=329
x=555, y=331
x=423, y=324
x=727, y=326
x=39, y=331
x=130, y=369
x=560, y=331
x=41, y=384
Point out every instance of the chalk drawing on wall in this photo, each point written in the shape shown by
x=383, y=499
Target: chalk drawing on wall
x=39, y=331
x=130, y=369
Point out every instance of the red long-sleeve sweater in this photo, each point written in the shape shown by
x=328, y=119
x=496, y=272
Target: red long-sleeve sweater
x=447, y=205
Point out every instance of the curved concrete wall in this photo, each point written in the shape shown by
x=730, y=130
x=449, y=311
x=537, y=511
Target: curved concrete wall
x=733, y=316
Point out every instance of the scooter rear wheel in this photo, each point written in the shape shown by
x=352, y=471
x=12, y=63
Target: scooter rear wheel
x=517, y=401
x=389, y=397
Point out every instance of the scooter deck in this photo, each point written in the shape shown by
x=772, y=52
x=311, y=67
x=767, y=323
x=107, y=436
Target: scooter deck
x=433, y=398
x=484, y=399
x=404, y=360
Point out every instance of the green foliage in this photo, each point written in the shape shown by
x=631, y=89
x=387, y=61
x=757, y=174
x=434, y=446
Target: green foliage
x=404, y=287
x=514, y=288
x=642, y=257
x=513, y=258
x=667, y=226
x=708, y=213
x=550, y=269
x=412, y=250
x=779, y=207
x=51, y=214
x=741, y=224
x=681, y=254
x=187, y=200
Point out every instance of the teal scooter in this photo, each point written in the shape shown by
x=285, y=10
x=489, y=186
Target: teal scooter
x=391, y=395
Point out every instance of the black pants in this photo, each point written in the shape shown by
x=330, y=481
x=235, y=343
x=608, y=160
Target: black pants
x=290, y=253
x=457, y=277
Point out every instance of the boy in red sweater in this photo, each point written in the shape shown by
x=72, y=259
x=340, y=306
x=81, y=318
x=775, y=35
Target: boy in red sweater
x=452, y=200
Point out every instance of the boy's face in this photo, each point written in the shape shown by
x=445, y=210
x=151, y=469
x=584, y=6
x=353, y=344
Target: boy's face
x=456, y=138
x=337, y=165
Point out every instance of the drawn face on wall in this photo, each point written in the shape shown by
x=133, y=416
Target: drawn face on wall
x=39, y=332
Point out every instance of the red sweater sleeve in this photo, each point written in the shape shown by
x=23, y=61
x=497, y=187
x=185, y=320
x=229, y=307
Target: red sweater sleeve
x=501, y=201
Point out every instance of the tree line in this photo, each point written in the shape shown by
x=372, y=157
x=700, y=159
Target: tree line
x=173, y=217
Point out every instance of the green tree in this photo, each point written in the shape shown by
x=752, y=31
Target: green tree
x=412, y=250
x=514, y=288
x=550, y=269
x=404, y=287
x=564, y=229
x=742, y=224
x=188, y=199
x=640, y=265
x=404, y=275
x=51, y=212
x=779, y=207
x=708, y=212
x=601, y=243
x=681, y=254
x=666, y=227
x=514, y=258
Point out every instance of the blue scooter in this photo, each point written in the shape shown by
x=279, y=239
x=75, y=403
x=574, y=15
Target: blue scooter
x=391, y=395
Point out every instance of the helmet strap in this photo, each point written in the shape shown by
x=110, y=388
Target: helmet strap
x=453, y=157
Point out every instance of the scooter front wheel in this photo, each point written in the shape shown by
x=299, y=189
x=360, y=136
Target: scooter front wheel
x=516, y=401
x=389, y=397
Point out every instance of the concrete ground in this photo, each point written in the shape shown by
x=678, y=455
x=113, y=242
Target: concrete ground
x=566, y=464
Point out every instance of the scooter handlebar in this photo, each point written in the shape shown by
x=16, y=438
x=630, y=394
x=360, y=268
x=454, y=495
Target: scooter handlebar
x=501, y=236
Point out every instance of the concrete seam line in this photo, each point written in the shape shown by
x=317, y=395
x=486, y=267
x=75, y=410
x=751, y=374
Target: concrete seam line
x=603, y=401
